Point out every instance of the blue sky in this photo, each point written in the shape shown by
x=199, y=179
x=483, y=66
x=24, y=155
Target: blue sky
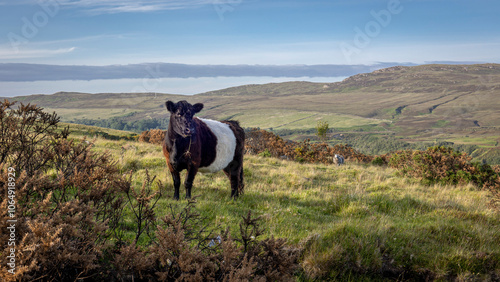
x=264, y=32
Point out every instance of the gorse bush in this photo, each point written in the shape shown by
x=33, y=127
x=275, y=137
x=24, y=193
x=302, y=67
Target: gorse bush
x=65, y=197
x=25, y=133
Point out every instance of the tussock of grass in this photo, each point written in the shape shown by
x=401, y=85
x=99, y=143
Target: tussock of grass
x=356, y=222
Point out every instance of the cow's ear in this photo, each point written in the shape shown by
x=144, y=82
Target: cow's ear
x=197, y=107
x=170, y=106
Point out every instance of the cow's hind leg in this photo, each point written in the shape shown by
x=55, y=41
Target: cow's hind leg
x=235, y=177
x=238, y=170
x=241, y=184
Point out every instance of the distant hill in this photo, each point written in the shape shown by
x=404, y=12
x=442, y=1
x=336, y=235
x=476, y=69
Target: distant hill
x=38, y=72
x=458, y=103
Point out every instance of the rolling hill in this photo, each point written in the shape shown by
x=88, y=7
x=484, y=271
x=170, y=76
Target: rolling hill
x=457, y=103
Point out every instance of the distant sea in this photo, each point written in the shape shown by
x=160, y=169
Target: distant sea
x=184, y=86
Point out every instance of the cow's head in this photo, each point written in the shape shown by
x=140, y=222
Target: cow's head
x=181, y=117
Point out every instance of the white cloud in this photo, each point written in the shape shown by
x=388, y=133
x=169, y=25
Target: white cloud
x=120, y=6
x=7, y=53
x=85, y=39
x=96, y=7
x=18, y=2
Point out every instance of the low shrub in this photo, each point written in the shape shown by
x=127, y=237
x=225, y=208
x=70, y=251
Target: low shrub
x=153, y=136
x=378, y=161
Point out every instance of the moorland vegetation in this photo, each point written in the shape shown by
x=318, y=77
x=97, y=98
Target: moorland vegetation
x=101, y=207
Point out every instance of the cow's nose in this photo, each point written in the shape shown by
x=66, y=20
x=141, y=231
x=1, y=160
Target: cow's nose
x=187, y=131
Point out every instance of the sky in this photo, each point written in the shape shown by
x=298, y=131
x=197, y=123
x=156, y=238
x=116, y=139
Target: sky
x=239, y=32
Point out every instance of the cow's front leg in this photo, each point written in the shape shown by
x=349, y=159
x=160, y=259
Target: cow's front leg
x=191, y=173
x=177, y=183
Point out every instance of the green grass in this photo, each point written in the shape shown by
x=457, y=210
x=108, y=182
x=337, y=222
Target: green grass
x=86, y=113
x=441, y=123
x=296, y=119
x=481, y=141
x=354, y=220
x=80, y=130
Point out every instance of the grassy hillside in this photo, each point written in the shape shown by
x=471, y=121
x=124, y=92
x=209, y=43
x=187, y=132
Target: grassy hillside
x=428, y=103
x=104, y=210
x=355, y=222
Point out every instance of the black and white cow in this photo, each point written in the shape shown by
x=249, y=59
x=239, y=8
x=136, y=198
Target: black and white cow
x=202, y=145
